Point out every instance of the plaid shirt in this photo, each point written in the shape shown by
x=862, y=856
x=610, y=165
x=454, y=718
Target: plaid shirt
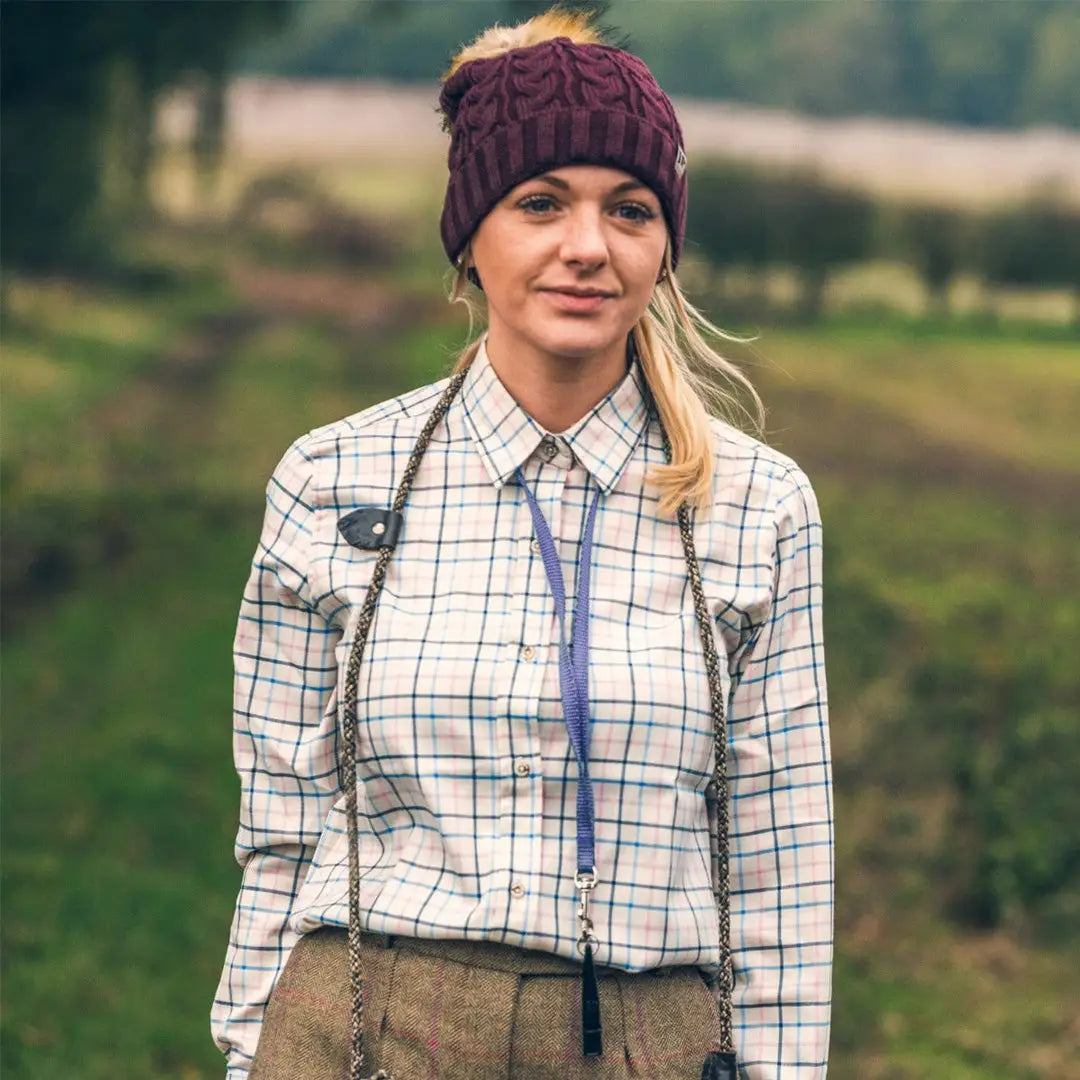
x=467, y=777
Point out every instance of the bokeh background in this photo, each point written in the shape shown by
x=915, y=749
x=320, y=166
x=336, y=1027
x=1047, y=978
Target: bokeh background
x=220, y=230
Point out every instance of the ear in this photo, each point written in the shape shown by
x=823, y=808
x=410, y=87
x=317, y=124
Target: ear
x=665, y=262
x=465, y=259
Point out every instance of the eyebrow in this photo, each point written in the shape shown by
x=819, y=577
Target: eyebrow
x=618, y=189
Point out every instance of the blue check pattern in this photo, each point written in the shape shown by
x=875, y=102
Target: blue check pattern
x=466, y=775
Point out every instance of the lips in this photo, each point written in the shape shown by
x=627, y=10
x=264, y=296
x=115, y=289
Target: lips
x=571, y=291
x=578, y=301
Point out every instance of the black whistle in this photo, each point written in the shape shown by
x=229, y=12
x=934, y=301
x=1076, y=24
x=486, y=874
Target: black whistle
x=719, y=1065
x=591, y=1042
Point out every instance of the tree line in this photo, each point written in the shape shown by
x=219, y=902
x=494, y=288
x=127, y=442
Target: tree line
x=1004, y=64
x=744, y=216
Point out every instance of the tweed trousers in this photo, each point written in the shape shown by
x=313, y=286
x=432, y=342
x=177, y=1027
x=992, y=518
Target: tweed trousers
x=456, y=1010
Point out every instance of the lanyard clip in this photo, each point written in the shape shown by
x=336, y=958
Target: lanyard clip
x=591, y=1036
x=585, y=881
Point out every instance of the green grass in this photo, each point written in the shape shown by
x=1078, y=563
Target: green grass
x=68, y=344
x=119, y=807
x=1003, y=397
x=323, y=377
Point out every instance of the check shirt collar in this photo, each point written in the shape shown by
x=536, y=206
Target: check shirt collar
x=506, y=436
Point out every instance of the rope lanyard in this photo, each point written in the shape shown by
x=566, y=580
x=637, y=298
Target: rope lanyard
x=574, y=684
x=719, y=1064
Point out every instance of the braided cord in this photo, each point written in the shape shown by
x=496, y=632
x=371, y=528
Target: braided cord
x=716, y=793
x=352, y=673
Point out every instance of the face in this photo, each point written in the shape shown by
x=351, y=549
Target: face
x=568, y=261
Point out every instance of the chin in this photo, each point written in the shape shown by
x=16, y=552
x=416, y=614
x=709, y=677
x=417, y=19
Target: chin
x=579, y=343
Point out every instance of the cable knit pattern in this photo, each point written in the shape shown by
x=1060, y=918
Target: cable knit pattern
x=556, y=103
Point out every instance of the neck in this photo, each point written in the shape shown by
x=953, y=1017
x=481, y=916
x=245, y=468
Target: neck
x=556, y=391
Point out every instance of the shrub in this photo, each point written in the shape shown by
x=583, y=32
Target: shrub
x=743, y=216
x=726, y=215
x=937, y=242
x=1036, y=243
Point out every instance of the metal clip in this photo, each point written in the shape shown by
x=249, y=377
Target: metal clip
x=585, y=880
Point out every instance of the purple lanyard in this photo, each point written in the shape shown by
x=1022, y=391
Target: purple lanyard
x=573, y=665
x=574, y=684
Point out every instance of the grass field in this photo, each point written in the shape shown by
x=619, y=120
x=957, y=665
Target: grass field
x=139, y=431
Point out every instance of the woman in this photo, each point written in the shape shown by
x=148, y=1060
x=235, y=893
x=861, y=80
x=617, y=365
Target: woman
x=537, y=594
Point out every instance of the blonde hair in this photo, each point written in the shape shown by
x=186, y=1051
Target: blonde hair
x=687, y=378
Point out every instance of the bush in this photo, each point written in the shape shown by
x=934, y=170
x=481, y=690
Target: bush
x=819, y=228
x=937, y=242
x=746, y=217
x=1036, y=243
x=742, y=216
x=726, y=215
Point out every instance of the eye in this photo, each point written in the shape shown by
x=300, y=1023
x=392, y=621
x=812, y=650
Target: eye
x=635, y=212
x=537, y=204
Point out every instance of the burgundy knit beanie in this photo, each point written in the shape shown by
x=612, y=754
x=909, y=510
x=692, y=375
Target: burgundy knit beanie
x=556, y=103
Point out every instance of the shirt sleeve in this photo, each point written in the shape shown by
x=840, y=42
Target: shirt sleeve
x=285, y=751
x=781, y=811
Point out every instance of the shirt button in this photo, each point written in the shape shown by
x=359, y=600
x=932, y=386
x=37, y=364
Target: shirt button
x=535, y=545
x=522, y=767
x=548, y=447
x=528, y=652
x=517, y=890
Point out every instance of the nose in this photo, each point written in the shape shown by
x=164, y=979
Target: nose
x=584, y=245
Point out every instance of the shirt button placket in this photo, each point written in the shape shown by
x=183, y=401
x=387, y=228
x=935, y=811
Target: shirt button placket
x=547, y=480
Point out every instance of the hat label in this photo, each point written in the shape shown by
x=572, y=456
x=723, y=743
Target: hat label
x=680, y=163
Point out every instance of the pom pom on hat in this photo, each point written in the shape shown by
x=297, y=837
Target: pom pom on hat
x=557, y=22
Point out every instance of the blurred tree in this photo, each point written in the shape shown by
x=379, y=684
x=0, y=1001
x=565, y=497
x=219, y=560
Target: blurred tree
x=935, y=240
x=726, y=222
x=836, y=58
x=725, y=218
x=53, y=96
x=977, y=63
x=819, y=228
x=1034, y=244
x=1051, y=94
x=1001, y=64
x=399, y=39
x=744, y=216
x=526, y=9
x=78, y=85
